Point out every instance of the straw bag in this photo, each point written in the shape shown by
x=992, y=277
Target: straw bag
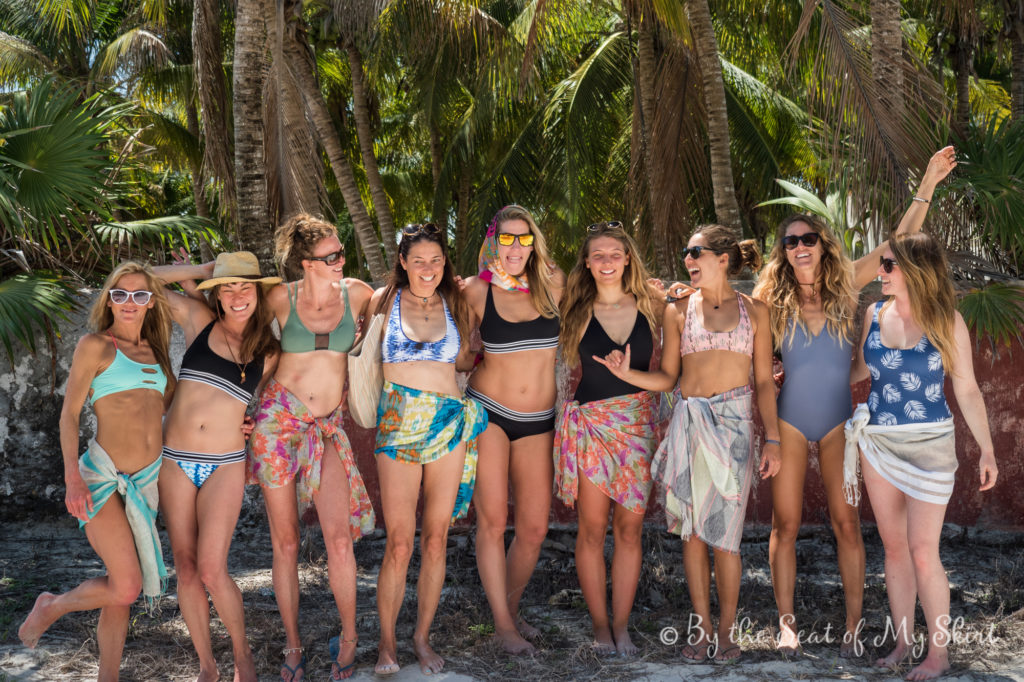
x=366, y=375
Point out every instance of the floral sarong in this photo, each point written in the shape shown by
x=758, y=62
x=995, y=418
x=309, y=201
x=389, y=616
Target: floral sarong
x=611, y=443
x=419, y=427
x=288, y=443
x=706, y=468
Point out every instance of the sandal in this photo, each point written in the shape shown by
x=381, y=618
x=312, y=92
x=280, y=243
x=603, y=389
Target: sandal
x=334, y=647
x=728, y=660
x=300, y=666
x=692, y=655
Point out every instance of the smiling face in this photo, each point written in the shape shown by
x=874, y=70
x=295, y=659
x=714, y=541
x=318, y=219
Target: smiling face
x=606, y=259
x=805, y=260
x=709, y=267
x=514, y=258
x=424, y=264
x=129, y=311
x=318, y=268
x=893, y=283
x=238, y=300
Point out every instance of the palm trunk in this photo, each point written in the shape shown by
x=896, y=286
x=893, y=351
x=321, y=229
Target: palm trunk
x=214, y=110
x=964, y=62
x=887, y=55
x=303, y=66
x=462, y=220
x=361, y=111
x=198, y=177
x=1015, y=17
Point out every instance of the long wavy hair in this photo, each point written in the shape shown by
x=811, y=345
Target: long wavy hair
x=156, y=324
x=742, y=254
x=932, y=301
x=777, y=285
x=538, y=269
x=577, y=303
x=295, y=239
x=447, y=287
x=258, y=339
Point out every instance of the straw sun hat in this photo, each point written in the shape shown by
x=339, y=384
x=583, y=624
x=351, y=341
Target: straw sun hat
x=237, y=266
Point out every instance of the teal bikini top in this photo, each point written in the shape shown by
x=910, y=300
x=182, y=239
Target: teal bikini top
x=296, y=338
x=124, y=374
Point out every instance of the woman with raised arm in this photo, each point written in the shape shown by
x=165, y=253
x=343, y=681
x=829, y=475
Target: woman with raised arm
x=705, y=462
x=426, y=433
x=299, y=449
x=515, y=301
x=606, y=434
x=911, y=341
x=811, y=290
x=230, y=349
x=124, y=370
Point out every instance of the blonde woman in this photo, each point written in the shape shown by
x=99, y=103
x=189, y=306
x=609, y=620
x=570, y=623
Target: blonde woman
x=514, y=300
x=123, y=368
x=811, y=290
x=911, y=341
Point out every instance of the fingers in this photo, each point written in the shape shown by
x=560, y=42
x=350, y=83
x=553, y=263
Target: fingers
x=988, y=474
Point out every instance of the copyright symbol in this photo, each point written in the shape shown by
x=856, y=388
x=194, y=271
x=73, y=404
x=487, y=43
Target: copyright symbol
x=668, y=636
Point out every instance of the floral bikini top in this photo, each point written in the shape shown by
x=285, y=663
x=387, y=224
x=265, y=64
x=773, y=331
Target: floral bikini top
x=697, y=339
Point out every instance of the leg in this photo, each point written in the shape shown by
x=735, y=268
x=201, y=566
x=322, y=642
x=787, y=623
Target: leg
x=283, y=519
x=592, y=507
x=924, y=523
x=332, y=507
x=219, y=503
x=787, y=512
x=846, y=526
x=890, y=509
x=627, y=557
x=698, y=583
x=399, y=492
x=441, y=480
x=532, y=469
x=728, y=572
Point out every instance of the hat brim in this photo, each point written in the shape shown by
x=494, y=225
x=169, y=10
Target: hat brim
x=267, y=282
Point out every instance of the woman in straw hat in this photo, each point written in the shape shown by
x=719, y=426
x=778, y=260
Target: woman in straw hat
x=230, y=351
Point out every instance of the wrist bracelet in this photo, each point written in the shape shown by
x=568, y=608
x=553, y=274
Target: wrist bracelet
x=922, y=200
x=773, y=441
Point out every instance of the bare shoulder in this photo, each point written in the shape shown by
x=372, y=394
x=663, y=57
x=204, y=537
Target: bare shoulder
x=95, y=349
x=358, y=291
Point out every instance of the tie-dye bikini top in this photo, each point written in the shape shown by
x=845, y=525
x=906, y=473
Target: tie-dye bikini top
x=397, y=347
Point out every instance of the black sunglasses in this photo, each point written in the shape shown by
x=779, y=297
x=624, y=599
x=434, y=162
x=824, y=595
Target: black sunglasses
x=887, y=264
x=420, y=228
x=604, y=225
x=329, y=259
x=807, y=238
x=695, y=251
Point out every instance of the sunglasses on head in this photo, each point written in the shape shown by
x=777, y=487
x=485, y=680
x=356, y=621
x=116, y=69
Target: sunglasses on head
x=120, y=296
x=807, y=239
x=329, y=259
x=604, y=225
x=420, y=228
x=887, y=264
x=694, y=252
x=508, y=239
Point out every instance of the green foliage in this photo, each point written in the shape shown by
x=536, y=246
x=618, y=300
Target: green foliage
x=836, y=210
x=29, y=303
x=995, y=311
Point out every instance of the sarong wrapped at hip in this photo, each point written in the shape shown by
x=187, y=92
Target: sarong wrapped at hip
x=288, y=443
x=141, y=499
x=919, y=459
x=611, y=442
x=706, y=468
x=419, y=427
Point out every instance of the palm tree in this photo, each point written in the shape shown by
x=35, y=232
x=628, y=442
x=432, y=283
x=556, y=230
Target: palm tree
x=887, y=54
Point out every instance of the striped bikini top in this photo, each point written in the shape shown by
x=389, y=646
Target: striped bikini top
x=202, y=365
x=697, y=339
x=397, y=347
x=501, y=336
x=124, y=374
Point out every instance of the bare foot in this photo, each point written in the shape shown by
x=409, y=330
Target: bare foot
x=343, y=667
x=512, y=642
x=789, y=641
x=39, y=619
x=930, y=668
x=430, y=662
x=387, y=662
x=604, y=643
x=208, y=674
x=245, y=669
x=623, y=644
x=848, y=648
x=526, y=630
x=895, y=657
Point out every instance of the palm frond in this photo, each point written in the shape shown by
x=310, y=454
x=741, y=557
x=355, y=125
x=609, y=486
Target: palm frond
x=21, y=60
x=158, y=234
x=30, y=304
x=994, y=312
x=134, y=51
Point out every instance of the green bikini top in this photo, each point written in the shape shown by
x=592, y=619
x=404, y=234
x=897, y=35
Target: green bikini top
x=296, y=338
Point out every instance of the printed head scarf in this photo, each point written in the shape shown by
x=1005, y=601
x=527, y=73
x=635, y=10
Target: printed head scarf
x=490, y=263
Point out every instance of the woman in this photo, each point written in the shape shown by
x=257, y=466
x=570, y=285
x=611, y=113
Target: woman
x=705, y=461
x=515, y=301
x=607, y=434
x=299, y=448
x=911, y=341
x=124, y=369
x=811, y=290
x=230, y=348
x=427, y=433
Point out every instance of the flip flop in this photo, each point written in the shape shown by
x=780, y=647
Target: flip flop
x=334, y=647
x=697, y=657
x=292, y=672
x=729, y=661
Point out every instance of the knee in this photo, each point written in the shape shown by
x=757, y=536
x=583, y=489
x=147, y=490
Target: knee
x=286, y=545
x=339, y=546
x=628, y=535
x=185, y=570
x=492, y=526
x=531, y=534
x=125, y=591
x=433, y=546
x=591, y=536
x=399, y=550
x=925, y=557
x=212, y=573
x=785, y=530
x=847, y=531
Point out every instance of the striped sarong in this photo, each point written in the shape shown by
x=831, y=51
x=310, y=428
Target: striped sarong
x=611, y=443
x=419, y=427
x=705, y=466
x=141, y=499
x=918, y=459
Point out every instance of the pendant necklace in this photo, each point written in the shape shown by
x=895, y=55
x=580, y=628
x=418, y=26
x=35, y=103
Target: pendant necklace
x=241, y=367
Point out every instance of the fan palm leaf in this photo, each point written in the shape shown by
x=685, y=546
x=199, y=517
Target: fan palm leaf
x=29, y=302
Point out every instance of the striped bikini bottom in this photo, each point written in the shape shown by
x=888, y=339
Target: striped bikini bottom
x=199, y=466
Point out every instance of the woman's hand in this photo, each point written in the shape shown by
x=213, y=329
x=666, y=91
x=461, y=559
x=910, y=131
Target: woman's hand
x=771, y=460
x=248, y=424
x=617, y=363
x=988, y=470
x=77, y=497
x=940, y=165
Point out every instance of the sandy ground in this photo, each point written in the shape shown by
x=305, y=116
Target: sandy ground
x=986, y=570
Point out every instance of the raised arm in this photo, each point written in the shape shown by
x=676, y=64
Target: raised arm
x=764, y=382
x=972, y=406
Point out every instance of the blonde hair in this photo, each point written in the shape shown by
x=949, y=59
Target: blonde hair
x=580, y=290
x=538, y=265
x=777, y=285
x=156, y=324
x=922, y=261
x=295, y=239
x=742, y=254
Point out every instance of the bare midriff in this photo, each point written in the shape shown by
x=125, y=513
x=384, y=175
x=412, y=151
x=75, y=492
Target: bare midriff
x=204, y=419
x=712, y=372
x=424, y=375
x=128, y=427
x=317, y=378
x=523, y=381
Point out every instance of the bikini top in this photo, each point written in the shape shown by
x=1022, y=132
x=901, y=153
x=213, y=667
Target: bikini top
x=202, y=365
x=697, y=339
x=397, y=347
x=296, y=338
x=501, y=336
x=124, y=374
x=596, y=382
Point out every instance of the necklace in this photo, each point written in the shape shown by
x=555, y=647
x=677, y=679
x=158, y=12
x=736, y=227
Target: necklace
x=426, y=300
x=241, y=367
x=813, y=296
x=613, y=306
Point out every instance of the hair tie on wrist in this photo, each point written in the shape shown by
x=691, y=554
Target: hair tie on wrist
x=923, y=200
x=773, y=441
